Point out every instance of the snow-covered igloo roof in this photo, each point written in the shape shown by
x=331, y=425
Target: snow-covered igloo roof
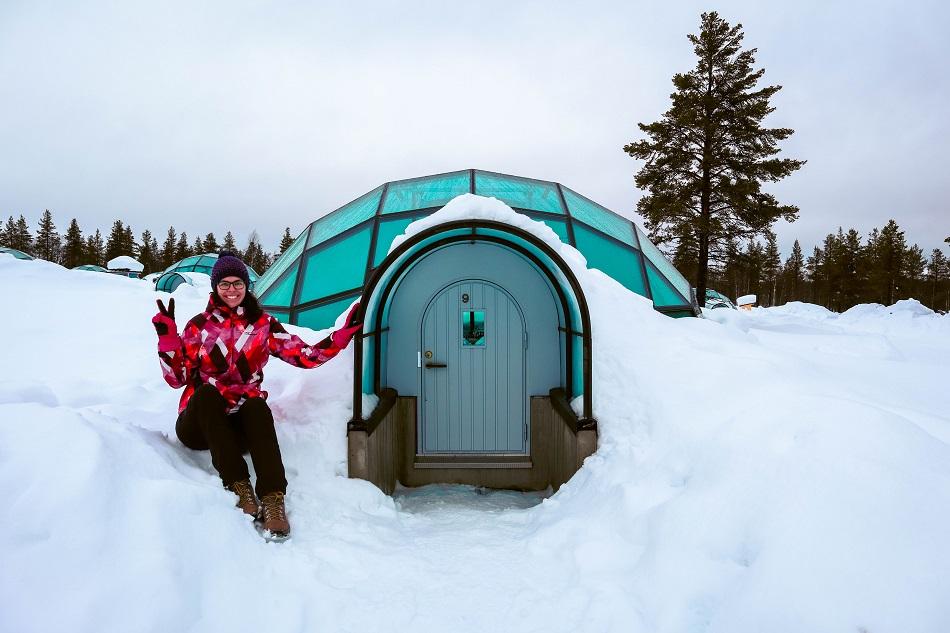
x=327, y=266
x=124, y=262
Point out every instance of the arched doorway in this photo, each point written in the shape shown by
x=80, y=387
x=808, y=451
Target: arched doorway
x=477, y=340
x=474, y=391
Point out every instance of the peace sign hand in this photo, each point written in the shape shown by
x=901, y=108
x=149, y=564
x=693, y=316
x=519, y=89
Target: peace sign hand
x=169, y=311
x=164, y=321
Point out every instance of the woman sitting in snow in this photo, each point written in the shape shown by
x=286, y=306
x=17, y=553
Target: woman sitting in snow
x=219, y=358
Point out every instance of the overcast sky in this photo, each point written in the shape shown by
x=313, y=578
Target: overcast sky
x=259, y=115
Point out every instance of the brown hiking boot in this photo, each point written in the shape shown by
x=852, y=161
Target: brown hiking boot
x=246, y=499
x=273, y=515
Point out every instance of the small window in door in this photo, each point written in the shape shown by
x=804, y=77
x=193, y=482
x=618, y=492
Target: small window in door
x=473, y=328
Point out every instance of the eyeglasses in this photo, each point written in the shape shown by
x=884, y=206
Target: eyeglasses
x=237, y=285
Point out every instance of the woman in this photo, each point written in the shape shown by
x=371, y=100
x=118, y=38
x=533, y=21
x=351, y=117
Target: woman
x=219, y=358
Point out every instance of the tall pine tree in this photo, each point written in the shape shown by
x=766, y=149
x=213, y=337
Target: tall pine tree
x=285, y=241
x=210, y=244
x=20, y=238
x=182, y=248
x=115, y=243
x=887, y=254
x=74, y=249
x=915, y=269
x=95, y=250
x=771, y=265
x=148, y=253
x=938, y=273
x=229, y=244
x=707, y=159
x=129, y=247
x=851, y=265
x=795, y=274
x=814, y=270
x=7, y=232
x=254, y=255
x=167, y=257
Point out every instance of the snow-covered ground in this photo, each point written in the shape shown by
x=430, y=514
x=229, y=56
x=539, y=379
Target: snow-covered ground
x=786, y=469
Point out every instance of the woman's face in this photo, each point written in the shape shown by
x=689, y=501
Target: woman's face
x=232, y=290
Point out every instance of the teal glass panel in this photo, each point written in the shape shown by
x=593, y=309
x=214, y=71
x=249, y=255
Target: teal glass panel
x=283, y=262
x=388, y=230
x=601, y=218
x=577, y=369
x=336, y=267
x=473, y=328
x=559, y=227
x=623, y=264
x=282, y=292
x=664, y=265
x=188, y=261
x=680, y=314
x=563, y=339
x=21, y=255
x=424, y=193
x=663, y=292
x=169, y=281
x=281, y=315
x=207, y=260
x=323, y=317
x=346, y=217
x=383, y=353
x=522, y=193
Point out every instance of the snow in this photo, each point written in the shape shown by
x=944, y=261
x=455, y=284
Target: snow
x=124, y=262
x=783, y=469
x=201, y=281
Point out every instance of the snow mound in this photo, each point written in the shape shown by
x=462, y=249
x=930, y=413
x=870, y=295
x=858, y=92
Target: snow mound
x=124, y=262
x=783, y=470
x=904, y=307
x=804, y=310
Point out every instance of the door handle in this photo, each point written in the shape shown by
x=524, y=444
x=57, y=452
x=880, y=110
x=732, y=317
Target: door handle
x=435, y=365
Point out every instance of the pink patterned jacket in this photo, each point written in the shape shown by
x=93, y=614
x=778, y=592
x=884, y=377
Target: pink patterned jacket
x=221, y=348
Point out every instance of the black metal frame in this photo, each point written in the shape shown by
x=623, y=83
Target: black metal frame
x=561, y=404
x=474, y=225
x=387, y=400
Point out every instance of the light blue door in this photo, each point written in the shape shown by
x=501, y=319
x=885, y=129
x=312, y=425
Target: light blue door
x=473, y=372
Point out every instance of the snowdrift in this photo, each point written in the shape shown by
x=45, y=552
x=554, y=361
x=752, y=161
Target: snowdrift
x=785, y=469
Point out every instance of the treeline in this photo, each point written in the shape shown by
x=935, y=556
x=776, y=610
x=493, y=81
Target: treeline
x=841, y=272
x=74, y=249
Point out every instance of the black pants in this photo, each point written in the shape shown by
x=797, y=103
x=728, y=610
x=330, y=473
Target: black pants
x=204, y=424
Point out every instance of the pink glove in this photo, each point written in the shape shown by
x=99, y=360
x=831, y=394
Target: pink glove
x=165, y=327
x=342, y=337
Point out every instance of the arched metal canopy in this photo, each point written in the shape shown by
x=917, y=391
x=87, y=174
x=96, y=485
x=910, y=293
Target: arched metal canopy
x=380, y=287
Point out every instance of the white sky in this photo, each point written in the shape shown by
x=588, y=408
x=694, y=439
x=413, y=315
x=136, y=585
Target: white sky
x=240, y=115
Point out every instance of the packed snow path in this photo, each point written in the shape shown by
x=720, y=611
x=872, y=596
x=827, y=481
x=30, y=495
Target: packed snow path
x=782, y=470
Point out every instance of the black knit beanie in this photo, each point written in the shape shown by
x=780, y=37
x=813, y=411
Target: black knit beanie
x=228, y=265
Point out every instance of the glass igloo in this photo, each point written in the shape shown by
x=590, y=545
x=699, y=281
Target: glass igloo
x=325, y=268
x=171, y=279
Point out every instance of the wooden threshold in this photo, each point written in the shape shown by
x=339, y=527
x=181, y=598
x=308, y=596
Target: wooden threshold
x=474, y=460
